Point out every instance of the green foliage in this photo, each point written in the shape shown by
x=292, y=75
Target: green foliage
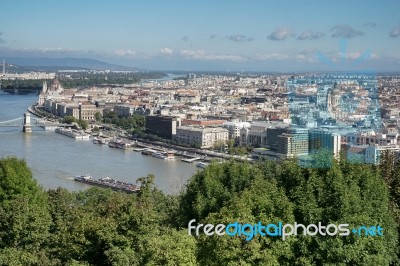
x=68, y=119
x=345, y=193
x=23, y=86
x=98, y=117
x=83, y=124
x=103, y=227
x=24, y=214
x=133, y=122
x=87, y=79
x=271, y=192
x=219, y=145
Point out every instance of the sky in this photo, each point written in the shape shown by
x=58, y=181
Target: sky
x=224, y=35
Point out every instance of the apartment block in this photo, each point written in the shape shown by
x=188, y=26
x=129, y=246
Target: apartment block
x=201, y=137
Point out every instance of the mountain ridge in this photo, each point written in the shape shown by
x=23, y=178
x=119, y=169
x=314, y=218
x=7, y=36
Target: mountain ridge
x=62, y=63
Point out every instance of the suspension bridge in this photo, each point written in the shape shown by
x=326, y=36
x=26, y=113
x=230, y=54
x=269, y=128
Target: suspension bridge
x=27, y=122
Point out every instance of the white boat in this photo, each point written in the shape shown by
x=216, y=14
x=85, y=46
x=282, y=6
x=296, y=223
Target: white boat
x=73, y=133
x=119, y=143
x=159, y=155
x=100, y=140
x=202, y=165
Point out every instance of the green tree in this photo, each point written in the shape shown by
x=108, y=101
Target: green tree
x=83, y=124
x=345, y=193
x=24, y=214
x=98, y=116
x=68, y=119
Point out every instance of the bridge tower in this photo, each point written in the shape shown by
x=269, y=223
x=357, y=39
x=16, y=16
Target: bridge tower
x=27, y=123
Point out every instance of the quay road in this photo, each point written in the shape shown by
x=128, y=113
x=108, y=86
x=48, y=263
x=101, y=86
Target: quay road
x=190, y=152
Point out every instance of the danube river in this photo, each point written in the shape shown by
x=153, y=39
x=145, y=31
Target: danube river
x=55, y=159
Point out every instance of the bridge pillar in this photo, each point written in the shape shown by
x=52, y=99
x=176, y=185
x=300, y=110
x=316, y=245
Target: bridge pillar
x=27, y=123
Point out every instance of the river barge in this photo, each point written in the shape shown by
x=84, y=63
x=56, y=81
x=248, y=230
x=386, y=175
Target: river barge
x=107, y=182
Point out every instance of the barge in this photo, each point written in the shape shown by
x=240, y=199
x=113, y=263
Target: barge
x=72, y=133
x=108, y=182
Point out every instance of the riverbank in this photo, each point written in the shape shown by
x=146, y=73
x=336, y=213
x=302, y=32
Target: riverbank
x=56, y=159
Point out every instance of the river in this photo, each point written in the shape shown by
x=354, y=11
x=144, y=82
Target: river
x=55, y=159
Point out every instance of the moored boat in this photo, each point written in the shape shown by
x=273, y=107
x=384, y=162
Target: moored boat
x=100, y=140
x=72, y=133
x=119, y=143
x=159, y=155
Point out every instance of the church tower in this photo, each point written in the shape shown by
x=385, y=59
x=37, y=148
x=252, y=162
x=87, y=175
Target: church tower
x=44, y=87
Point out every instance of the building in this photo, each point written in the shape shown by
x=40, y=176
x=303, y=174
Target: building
x=288, y=142
x=202, y=122
x=293, y=142
x=201, y=137
x=255, y=135
x=187, y=96
x=83, y=111
x=162, y=126
x=124, y=110
x=253, y=99
x=373, y=152
x=234, y=128
x=323, y=139
x=371, y=138
x=356, y=154
x=72, y=110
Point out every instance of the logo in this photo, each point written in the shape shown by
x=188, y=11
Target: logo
x=249, y=231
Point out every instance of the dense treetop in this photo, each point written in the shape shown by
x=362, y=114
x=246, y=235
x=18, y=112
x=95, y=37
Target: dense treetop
x=102, y=227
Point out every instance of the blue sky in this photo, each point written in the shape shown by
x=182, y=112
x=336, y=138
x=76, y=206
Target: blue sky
x=208, y=35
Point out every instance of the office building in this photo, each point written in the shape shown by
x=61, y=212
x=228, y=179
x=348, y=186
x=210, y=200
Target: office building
x=162, y=126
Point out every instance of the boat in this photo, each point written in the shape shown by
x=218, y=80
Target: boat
x=148, y=151
x=119, y=143
x=100, y=140
x=72, y=133
x=159, y=155
x=170, y=154
x=202, y=165
x=108, y=182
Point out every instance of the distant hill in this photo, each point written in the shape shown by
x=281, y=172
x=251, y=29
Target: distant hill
x=53, y=64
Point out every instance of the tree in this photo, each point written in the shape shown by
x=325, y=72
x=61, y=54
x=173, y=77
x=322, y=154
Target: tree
x=98, y=116
x=345, y=193
x=231, y=148
x=83, y=124
x=68, y=119
x=168, y=246
x=24, y=214
x=219, y=145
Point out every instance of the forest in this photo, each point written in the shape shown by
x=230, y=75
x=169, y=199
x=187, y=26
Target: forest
x=102, y=227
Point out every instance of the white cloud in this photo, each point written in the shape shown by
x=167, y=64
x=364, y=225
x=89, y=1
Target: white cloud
x=272, y=56
x=353, y=55
x=125, y=53
x=239, y=38
x=395, y=32
x=166, y=51
x=203, y=55
x=345, y=31
x=281, y=34
x=310, y=35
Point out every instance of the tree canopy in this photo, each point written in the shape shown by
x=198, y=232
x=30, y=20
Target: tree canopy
x=102, y=227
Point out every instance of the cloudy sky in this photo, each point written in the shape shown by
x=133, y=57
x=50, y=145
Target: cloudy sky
x=221, y=35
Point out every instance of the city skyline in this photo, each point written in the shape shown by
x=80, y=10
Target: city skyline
x=223, y=35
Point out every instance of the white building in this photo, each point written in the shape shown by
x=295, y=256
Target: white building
x=234, y=128
x=201, y=137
